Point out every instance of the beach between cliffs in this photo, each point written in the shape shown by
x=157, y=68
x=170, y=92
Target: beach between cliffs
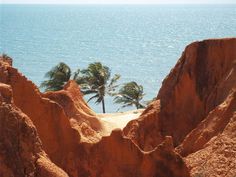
x=187, y=130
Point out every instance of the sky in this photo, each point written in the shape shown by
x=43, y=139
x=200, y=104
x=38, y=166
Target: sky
x=118, y=1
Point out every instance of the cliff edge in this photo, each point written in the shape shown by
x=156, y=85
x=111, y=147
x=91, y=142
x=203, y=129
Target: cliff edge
x=72, y=137
x=196, y=106
x=189, y=130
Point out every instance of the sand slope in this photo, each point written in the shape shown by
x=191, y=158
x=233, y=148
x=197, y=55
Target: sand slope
x=119, y=120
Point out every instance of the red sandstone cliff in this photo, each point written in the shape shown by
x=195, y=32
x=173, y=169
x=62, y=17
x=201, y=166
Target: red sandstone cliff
x=196, y=105
x=53, y=126
x=212, y=144
x=21, y=152
x=201, y=80
x=119, y=157
x=71, y=135
x=82, y=118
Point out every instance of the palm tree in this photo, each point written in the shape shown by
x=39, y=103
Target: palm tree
x=58, y=76
x=96, y=80
x=5, y=56
x=130, y=95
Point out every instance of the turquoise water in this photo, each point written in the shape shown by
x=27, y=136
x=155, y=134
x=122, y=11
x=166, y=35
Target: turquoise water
x=142, y=43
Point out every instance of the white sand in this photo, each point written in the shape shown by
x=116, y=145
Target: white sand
x=119, y=120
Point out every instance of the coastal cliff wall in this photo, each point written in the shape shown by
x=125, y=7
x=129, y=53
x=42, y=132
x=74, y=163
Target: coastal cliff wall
x=202, y=79
x=21, y=152
x=210, y=149
x=196, y=106
x=53, y=126
x=72, y=136
x=189, y=130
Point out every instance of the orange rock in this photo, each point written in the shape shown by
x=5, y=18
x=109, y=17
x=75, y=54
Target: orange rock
x=82, y=118
x=214, y=142
x=118, y=156
x=53, y=126
x=201, y=80
x=213, y=125
x=63, y=119
x=21, y=151
x=195, y=106
x=141, y=130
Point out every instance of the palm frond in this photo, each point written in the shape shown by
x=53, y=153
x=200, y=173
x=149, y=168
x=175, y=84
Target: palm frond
x=111, y=88
x=130, y=94
x=57, y=77
x=93, y=97
x=87, y=92
x=76, y=74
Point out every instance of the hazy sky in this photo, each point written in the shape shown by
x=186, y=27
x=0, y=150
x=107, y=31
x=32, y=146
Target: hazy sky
x=118, y=1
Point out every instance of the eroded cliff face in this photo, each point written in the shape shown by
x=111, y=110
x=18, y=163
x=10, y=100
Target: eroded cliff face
x=81, y=117
x=213, y=125
x=201, y=80
x=21, y=152
x=196, y=106
x=193, y=115
x=118, y=156
x=72, y=136
x=49, y=118
x=211, y=146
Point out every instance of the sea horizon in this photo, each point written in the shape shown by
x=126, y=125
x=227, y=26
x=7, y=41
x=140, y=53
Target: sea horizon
x=148, y=38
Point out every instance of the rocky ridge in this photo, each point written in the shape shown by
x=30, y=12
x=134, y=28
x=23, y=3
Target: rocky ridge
x=193, y=116
x=196, y=106
x=72, y=136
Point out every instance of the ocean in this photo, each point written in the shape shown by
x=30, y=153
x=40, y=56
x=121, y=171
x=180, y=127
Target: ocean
x=140, y=42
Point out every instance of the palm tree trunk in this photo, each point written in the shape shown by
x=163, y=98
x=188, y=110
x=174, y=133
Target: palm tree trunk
x=137, y=105
x=103, y=106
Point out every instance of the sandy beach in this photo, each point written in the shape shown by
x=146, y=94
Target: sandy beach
x=119, y=120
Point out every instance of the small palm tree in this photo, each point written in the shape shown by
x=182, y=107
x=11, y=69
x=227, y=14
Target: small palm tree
x=58, y=76
x=96, y=80
x=130, y=95
x=5, y=56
